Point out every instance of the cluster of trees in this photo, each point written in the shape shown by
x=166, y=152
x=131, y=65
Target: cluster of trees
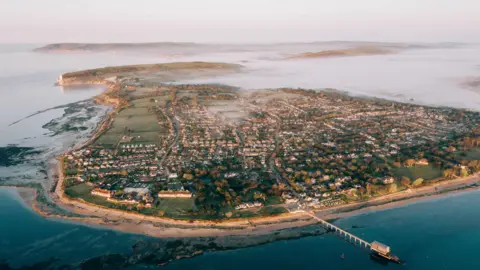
x=471, y=142
x=220, y=194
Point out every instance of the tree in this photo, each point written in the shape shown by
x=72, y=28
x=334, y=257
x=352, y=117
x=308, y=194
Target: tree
x=410, y=162
x=449, y=173
x=392, y=188
x=405, y=181
x=417, y=182
x=308, y=181
x=259, y=196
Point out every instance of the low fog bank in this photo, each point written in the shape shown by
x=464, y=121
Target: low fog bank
x=442, y=74
x=430, y=76
x=189, y=49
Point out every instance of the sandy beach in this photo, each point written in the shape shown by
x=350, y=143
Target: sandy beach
x=95, y=215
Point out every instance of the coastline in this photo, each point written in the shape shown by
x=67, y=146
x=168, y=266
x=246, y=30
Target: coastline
x=170, y=228
x=131, y=222
x=403, y=198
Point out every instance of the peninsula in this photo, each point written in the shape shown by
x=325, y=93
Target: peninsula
x=200, y=159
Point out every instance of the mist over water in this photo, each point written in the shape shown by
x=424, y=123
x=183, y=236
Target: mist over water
x=429, y=76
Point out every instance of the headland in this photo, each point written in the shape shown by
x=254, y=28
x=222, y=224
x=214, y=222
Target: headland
x=176, y=160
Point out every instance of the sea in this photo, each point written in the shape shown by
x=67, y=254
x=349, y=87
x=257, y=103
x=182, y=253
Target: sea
x=441, y=233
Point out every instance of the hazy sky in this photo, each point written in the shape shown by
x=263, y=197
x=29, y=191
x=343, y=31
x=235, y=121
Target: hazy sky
x=238, y=20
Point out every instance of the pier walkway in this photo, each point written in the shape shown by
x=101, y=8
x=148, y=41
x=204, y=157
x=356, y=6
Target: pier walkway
x=341, y=233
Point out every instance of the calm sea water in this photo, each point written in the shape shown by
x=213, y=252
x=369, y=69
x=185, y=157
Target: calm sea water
x=27, y=238
x=437, y=234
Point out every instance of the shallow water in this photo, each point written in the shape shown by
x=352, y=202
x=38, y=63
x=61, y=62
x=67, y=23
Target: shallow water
x=27, y=238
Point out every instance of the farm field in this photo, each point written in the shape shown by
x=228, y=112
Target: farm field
x=138, y=121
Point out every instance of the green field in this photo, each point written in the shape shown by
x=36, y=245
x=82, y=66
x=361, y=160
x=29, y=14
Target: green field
x=82, y=191
x=139, y=123
x=271, y=210
x=473, y=154
x=147, y=137
x=178, y=208
x=146, y=102
x=136, y=121
x=78, y=191
x=426, y=172
x=109, y=140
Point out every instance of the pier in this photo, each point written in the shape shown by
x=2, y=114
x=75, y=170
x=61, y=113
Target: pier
x=376, y=248
x=342, y=233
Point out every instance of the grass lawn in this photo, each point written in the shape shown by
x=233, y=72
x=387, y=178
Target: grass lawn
x=173, y=207
x=109, y=140
x=146, y=137
x=273, y=210
x=137, y=123
x=142, y=122
x=82, y=191
x=145, y=102
x=473, y=154
x=78, y=191
x=133, y=111
x=246, y=214
x=272, y=200
x=426, y=172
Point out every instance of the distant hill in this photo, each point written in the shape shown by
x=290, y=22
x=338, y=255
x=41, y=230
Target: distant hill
x=99, y=47
x=358, y=51
x=291, y=50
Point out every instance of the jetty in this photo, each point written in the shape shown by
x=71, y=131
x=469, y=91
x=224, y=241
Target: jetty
x=376, y=248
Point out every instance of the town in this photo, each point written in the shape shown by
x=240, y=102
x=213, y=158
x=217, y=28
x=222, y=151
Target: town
x=214, y=152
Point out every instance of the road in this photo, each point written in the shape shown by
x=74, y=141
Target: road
x=176, y=127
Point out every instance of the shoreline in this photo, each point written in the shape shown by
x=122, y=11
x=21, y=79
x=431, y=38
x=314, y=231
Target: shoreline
x=158, y=227
x=400, y=199
x=132, y=222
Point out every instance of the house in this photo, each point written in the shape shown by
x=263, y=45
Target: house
x=122, y=201
x=101, y=192
x=388, y=180
x=175, y=194
x=422, y=162
x=131, y=88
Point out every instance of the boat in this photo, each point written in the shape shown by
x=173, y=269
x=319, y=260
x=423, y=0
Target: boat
x=343, y=256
